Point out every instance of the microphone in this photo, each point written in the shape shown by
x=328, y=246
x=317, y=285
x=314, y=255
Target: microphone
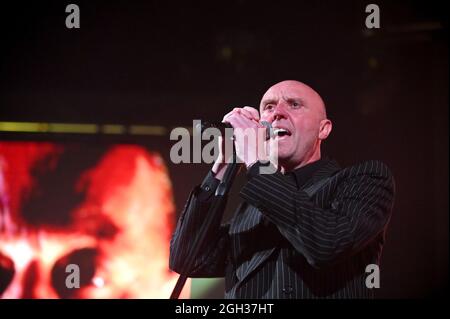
x=204, y=125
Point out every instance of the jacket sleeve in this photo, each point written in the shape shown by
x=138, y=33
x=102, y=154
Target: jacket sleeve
x=210, y=261
x=360, y=209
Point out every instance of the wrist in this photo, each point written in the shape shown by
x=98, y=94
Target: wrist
x=219, y=169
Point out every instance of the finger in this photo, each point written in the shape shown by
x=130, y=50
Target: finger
x=239, y=120
x=254, y=112
x=236, y=110
x=231, y=119
x=246, y=111
x=248, y=115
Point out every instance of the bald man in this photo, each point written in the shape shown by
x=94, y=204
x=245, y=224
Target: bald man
x=309, y=230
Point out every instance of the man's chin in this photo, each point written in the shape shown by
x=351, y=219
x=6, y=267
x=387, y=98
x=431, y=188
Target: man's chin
x=283, y=154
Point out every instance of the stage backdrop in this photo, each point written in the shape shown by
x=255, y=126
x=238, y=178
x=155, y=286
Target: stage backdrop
x=107, y=209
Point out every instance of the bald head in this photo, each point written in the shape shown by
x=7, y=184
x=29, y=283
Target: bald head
x=302, y=90
x=298, y=112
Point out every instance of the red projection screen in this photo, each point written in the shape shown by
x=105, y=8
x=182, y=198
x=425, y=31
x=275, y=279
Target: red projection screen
x=108, y=210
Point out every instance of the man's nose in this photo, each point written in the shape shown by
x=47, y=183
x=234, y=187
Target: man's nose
x=279, y=112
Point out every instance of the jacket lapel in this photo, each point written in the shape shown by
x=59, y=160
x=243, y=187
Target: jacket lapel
x=248, y=266
x=247, y=218
x=244, y=225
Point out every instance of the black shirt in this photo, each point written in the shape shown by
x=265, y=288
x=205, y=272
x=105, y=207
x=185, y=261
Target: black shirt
x=303, y=174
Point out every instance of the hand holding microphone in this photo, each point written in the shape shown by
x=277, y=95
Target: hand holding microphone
x=250, y=136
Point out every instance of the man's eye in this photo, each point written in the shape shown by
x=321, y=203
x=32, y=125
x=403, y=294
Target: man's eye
x=268, y=107
x=295, y=105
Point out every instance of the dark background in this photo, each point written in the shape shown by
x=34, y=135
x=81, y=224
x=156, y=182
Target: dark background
x=167, y=63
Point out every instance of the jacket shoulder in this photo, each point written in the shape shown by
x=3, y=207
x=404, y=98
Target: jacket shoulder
x=372, y=168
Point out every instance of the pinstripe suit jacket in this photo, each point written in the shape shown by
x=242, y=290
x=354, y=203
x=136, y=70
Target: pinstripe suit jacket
x=283, y=244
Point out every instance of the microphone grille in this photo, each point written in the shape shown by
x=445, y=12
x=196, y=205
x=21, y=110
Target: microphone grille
x=269, y=129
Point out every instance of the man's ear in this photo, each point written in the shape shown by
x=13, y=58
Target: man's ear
x=325, y=129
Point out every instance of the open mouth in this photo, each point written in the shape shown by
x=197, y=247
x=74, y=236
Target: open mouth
x=281, y=132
